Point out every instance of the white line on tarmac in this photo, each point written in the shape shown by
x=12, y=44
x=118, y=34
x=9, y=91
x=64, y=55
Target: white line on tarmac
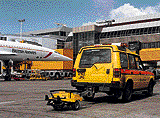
x=7, y=102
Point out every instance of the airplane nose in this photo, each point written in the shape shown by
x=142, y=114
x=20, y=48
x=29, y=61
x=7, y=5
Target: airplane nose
x=56, y=57
x=60, y=57
x=64, y=58
x=69, y=59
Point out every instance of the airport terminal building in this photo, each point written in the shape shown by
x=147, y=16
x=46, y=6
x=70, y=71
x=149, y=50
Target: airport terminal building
x=145, y=29
x=51, y=38
x=58, y=35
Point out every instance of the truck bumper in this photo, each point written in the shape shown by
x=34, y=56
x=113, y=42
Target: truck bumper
x=101, y=86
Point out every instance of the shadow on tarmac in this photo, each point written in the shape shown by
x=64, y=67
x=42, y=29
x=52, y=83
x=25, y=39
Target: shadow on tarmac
x=112, y=100
x=105, y=99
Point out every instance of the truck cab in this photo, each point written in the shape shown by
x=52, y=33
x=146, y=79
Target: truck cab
x=112, y=69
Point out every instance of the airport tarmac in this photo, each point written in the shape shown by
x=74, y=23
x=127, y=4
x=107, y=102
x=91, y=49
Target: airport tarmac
x=26, y=99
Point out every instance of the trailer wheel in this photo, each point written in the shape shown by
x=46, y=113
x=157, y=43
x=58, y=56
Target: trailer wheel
x=58, y=106
x=76, y=105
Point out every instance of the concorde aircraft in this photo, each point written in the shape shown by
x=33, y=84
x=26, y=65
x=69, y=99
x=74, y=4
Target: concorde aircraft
x=17, y=51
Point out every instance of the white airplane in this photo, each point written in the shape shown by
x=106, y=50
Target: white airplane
x=17, y=51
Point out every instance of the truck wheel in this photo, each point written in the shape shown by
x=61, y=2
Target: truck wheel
x=27, y=77
x=7, y=78
x=89, y=97
x=150, y=89
x=57, y=76
x=127, y=93
x=70, y=75
x=76, y=105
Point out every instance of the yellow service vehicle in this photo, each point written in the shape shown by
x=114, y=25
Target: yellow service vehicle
x=60, y=98
x=112, y=69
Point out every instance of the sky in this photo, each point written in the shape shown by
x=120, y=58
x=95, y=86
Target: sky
x=43, y=14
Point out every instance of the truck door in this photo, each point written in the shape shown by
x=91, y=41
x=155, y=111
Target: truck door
x=134, y=73
x=96, y=65
x=124, y=66
x=144, y=77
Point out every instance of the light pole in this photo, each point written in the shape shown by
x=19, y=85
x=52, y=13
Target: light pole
x=21, y=21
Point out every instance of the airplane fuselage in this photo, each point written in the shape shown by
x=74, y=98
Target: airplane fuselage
x=21, y=51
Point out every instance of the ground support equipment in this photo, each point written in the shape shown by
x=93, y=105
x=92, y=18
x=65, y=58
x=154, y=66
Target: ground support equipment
x=60, y=98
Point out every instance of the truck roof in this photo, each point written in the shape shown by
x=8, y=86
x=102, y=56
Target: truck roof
x=114, y=47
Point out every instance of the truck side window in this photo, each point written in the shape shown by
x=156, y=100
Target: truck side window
x=124, y=61
x=139, y=63
x=132, y=64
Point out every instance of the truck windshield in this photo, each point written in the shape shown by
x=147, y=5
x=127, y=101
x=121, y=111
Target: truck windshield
x=92, y=56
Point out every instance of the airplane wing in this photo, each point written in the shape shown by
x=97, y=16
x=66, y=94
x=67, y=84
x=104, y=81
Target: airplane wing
x=5, y=53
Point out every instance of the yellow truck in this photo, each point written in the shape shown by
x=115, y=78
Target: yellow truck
x=53, y=69
x=112, y=69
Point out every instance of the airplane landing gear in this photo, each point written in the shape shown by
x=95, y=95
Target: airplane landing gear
x=7, y=78
x=8, y=64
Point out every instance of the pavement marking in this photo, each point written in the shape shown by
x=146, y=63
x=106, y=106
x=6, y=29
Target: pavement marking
x=7, y=102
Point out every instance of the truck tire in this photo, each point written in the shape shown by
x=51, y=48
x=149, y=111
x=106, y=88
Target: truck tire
x=57, y=76
x=88, y=98
x=127, y=93
x=28, y=77
x=7, y=78
x=150, y=88
x=76, y=105
x=70, y=75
